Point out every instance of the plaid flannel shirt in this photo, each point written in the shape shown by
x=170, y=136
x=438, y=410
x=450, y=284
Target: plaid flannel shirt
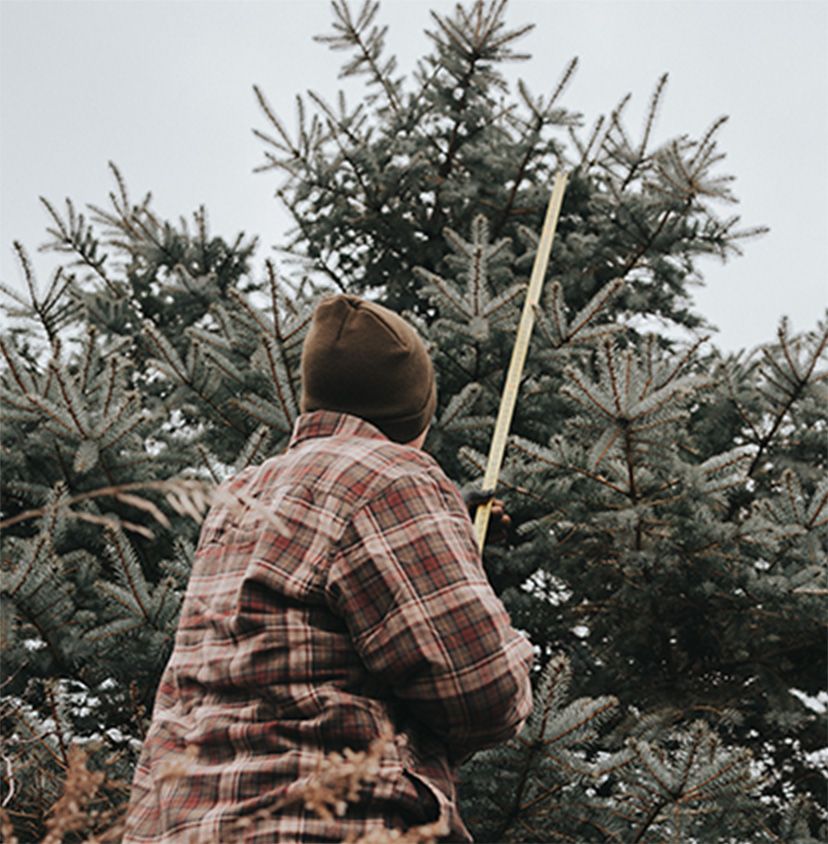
x=362, y=606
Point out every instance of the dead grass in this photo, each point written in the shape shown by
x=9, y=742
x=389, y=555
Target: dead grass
x=84, y=812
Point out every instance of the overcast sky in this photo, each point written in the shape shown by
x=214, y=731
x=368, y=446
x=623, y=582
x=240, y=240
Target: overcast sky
x=164, y=89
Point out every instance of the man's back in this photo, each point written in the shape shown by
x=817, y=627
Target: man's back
x=336, y=593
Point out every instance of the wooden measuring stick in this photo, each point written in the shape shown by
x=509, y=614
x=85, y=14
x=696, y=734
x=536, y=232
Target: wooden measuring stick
x=508, y=399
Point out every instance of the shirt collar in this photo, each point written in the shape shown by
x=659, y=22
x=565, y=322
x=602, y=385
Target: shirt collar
x=328, y=423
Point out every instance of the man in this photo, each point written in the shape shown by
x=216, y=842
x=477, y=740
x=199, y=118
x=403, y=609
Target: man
x=360, y=609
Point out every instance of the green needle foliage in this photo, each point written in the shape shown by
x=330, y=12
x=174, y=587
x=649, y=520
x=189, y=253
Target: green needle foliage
x=670, y=503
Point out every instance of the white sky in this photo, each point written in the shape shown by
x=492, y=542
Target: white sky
x=164, y=89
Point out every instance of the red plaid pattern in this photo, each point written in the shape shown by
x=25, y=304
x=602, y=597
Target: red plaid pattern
x=363, y=606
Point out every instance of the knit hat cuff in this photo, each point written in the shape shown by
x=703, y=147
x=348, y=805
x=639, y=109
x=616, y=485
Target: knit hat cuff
x=403, y=429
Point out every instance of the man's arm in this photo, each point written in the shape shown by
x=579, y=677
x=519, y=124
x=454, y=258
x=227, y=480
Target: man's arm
x=410, y=585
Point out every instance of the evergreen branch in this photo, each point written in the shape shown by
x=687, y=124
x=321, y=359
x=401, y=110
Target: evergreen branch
x=273, y=286
x=498, y=307
x=629, y=369
x=230, y=372
x=198, y=285
x=610, y=436
x=541, y=116
x=125, y=599
x=545, y=792
x=121, y=185
x=118, y=627
x=130, y=569
x=513, y=811
x=260, y=411
x=241, y=300
x=706, y=142
x=592, y=141
x=595, y=305
x=609, y=360
x=477, y=266
x=318, y=260
x=441, y=285
x=560, y=321
x=657, y=401
x=222, y=319
x=555, y=682
x=793, y=493
x=89, y=356
x=648, y=820
x=39, y=544
x=517, y=180
x=71, y=236
x=533, y=452
x=42, y=309
x=791, y=400
x=645, y=244
x=455, y=140
x=533, y=831
x=277, y=124
x=791, y=377
x=615, y=120
x=783, y=388
x=54, y=294
x=372, y=202
x=28, y=273
x=15, y=296
x=566, y=76
x=679, y=364
x=589, y=393
x=26, y=381
x=70, y=399
x=126, y=429
x=648, y=127
x=460, y=402
x=45, y=406
x=279, y=376
x=252, y=446
x=818, y=503
x=786, y=351
x=110, y=419
x=274, y=293
x=14, y=400
x=695, y=792
x=596, y=709
x=368, y=50
x=166, y=350
x=179, y=372
x=205, y=459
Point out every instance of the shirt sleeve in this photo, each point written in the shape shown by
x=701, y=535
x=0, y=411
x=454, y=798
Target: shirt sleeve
x=410, y=585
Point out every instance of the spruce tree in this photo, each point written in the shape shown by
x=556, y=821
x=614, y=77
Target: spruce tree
x=670, y=502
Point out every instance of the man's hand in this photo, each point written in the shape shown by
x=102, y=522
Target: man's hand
x=499, y=520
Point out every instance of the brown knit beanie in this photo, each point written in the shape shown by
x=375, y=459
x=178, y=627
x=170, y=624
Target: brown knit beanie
x=363, y=359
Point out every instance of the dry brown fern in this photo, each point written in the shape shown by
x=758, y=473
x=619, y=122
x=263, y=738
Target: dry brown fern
x=191, y=497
